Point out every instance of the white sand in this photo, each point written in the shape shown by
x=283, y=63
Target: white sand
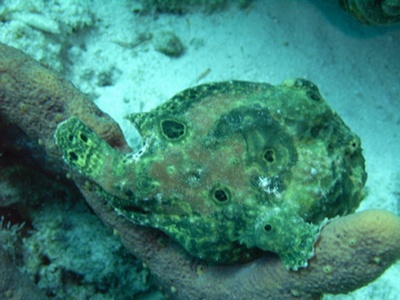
x=356, y=67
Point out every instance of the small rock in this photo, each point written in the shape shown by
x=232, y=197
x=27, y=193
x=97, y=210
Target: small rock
x=168, y=43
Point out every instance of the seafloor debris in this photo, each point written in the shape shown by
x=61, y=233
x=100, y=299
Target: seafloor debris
x=168, y=43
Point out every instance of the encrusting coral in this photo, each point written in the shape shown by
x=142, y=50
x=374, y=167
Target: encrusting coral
x=350, y=251
x=13, y=284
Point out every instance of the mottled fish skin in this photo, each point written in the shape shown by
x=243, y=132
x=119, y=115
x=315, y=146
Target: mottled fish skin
x=231, y=169
x=87, y=152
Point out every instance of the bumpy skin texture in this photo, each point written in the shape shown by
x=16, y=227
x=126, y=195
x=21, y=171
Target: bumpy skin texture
x=374, y=243
x=231, y=168
x=350, y=252
x=45, y=93
x=373, y=12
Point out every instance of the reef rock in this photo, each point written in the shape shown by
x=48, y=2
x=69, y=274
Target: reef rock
x=373, y=12
x=230, y=169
